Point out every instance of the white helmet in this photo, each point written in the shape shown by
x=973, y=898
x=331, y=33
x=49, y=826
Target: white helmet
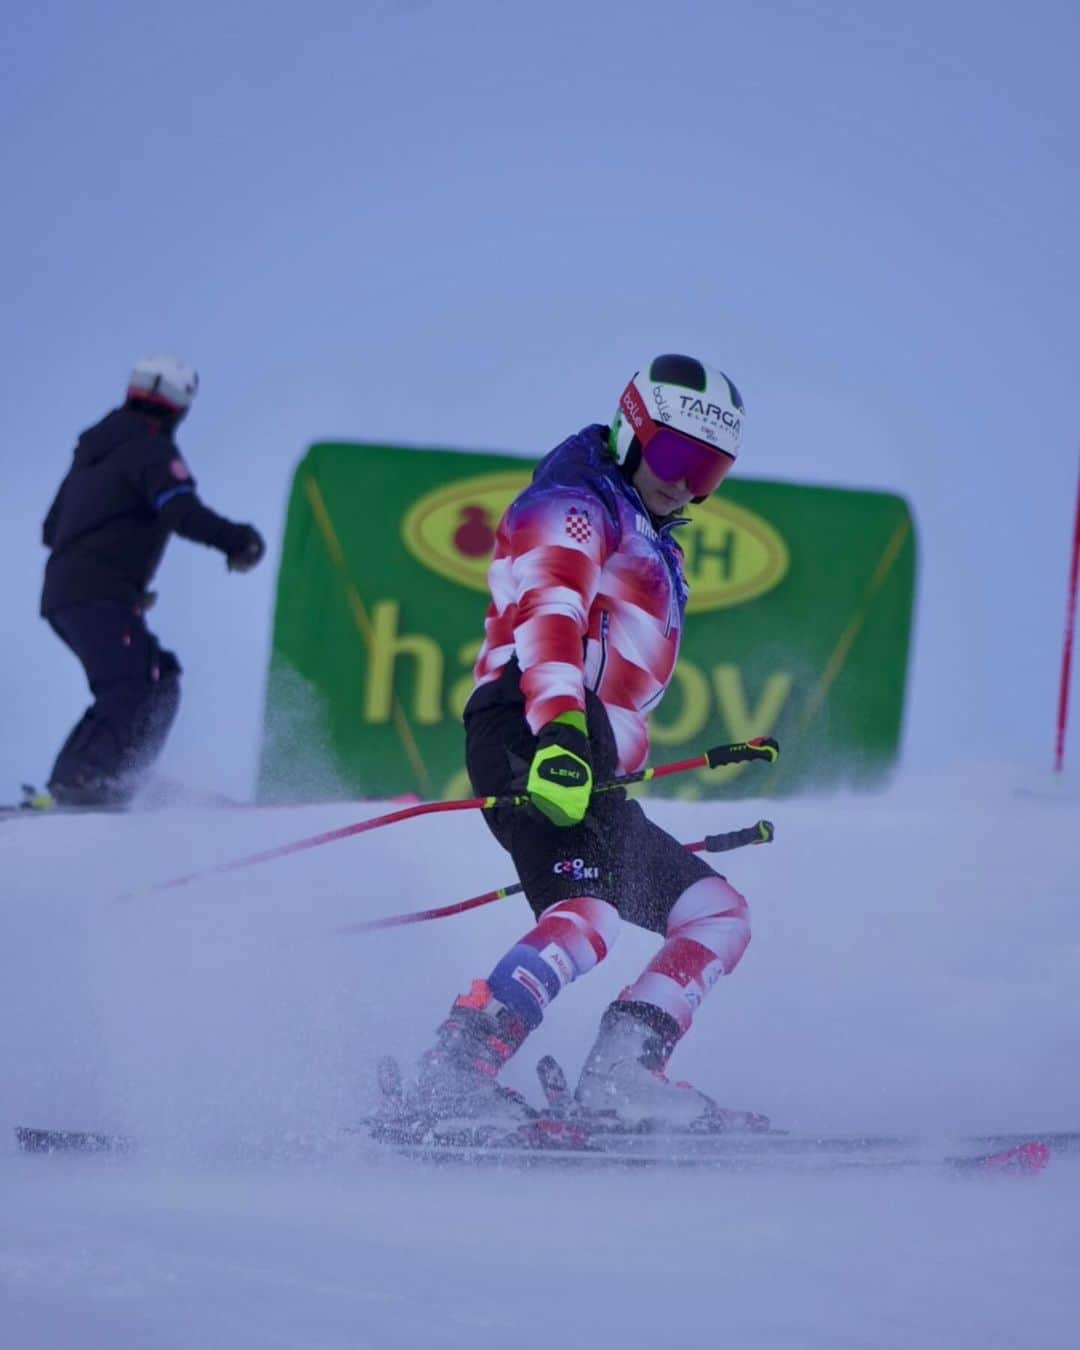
x=679, y=394
x=166, y=380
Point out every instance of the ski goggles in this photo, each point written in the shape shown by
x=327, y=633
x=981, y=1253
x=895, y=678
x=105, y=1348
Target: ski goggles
x=673, y=455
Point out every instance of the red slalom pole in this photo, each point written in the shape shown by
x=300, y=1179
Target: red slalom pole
x=423, y=915
x=761, y=833
x=1070, y=629
x=317, y=840
x=740, y=752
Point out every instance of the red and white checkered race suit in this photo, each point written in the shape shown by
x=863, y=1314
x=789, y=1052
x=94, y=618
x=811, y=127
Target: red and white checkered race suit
x=590, y=595
x=588, y=598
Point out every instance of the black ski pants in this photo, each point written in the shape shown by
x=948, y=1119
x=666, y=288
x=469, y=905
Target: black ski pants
x=616, y=854
x=136, y=689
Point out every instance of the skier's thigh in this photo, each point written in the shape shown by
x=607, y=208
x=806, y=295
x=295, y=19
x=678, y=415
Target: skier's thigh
x=654, y=870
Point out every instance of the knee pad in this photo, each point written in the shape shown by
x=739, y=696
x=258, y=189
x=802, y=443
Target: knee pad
x=570, y=939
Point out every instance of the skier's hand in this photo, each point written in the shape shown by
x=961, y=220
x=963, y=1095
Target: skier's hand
x=560, y=776
x=248, y=550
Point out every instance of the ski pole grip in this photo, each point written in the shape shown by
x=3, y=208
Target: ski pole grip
x=764, y=832
x=761, y=747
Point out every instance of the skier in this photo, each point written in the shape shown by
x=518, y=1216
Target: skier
x=581, y=639
x=127, y=490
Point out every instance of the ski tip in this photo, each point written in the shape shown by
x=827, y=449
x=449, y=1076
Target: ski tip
x=31, y=1140
x=1027, y=1159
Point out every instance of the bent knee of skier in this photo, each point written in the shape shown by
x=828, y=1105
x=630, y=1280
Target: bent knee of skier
x=714, y=915
x=570, y=939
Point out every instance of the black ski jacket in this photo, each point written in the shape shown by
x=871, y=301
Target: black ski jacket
x=127, y=490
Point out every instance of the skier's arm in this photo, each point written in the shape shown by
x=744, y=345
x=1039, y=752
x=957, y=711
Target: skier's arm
x=170, y=490
x=560, y=544
x=184, y=514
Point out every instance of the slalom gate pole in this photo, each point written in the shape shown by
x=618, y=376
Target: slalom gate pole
x=762, y=833
x=740, y=752
x=1070, y=629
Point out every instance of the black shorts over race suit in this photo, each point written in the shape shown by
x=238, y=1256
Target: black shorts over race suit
x=616, y=854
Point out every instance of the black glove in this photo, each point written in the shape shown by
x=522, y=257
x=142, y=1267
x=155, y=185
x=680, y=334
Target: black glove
x=247, y=550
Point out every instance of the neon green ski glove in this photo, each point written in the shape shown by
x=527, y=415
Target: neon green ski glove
x=560, y=776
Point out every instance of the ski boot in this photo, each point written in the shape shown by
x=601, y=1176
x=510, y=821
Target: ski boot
x=457, y=1076
x=624, y=1076
x=97, y=794
x=35, y=800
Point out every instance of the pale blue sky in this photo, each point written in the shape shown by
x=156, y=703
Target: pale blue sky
x=467, y=224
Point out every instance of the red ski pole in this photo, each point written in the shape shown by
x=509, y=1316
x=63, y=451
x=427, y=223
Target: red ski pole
x=762, y=833
x=763, y=748
x=1070, y=628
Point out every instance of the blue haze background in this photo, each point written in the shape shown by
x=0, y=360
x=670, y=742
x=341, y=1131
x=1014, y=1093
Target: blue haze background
x=466, y=224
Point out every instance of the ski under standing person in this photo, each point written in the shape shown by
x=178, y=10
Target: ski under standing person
x=128, y=489
x=581, y=638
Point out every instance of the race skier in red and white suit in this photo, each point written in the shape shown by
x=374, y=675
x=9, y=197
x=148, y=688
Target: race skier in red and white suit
x=582, y=635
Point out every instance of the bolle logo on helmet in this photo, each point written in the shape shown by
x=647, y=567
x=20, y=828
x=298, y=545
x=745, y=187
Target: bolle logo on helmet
x=634, y=408
x=663, y=408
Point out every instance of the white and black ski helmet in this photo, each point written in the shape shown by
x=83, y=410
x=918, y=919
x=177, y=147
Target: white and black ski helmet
x=684, y=395
x=165, y=380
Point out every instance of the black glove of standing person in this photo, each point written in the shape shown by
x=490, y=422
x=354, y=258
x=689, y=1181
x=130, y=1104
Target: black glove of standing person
x=247, y=551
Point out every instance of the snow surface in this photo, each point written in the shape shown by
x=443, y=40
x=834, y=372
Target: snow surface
x=915, y=966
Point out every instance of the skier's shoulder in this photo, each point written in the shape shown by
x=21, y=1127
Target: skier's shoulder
x=152, y=455
x=579, y=472
x=125, y=439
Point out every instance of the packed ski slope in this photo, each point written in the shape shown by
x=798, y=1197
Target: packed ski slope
x=915, y=967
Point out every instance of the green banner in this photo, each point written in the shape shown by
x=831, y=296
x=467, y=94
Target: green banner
x=798, y=626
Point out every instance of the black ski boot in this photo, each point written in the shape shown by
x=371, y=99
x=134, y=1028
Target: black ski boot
x=457, y=1077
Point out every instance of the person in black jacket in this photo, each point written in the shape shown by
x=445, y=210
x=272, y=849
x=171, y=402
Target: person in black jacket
x=128, y=489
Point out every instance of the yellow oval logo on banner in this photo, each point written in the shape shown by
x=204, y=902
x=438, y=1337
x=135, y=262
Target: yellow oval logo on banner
x=732, y=555
x=452, y=530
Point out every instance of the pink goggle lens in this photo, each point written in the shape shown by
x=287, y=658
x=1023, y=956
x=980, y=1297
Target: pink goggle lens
x=673, y=456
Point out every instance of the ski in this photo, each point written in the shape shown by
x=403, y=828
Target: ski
x=1025, y=1160
x=561, y=1132
x=31, y=1140
x=548, y=1141
x=10, y=811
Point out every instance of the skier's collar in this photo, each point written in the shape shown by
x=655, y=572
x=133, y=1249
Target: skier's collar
x=659, y=523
